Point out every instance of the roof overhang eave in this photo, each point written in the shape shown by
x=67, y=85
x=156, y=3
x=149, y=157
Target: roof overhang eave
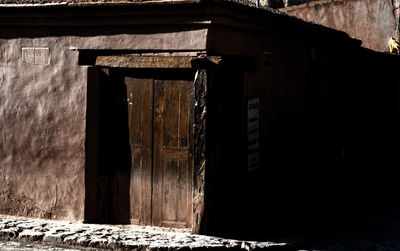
x=101, y=4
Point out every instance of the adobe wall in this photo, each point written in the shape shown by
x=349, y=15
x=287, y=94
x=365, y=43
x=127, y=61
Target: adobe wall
x=297, y=105
x=43, y=110
x=372, y=21
x=318, y=91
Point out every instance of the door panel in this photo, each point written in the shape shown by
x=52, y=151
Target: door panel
x=172, y=170
x=160, y=123
x=140, y=105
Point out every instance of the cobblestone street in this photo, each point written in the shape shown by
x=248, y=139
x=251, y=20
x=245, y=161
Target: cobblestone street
x=20, y=246
x=376, y=232
x=76, y=235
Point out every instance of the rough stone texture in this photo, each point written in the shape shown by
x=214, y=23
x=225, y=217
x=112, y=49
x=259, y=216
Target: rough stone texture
x=200, y=151
x=11, y=233
x=121, y=237
x=22, y=246
x=372, y=21
x=31, y=235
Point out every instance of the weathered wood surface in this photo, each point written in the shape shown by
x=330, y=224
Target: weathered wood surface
x=165, y=62
x=172, y=171
x=161, y=138
x=140, y=102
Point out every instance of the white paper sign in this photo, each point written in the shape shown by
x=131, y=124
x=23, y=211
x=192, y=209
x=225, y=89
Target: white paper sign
x=253, y=133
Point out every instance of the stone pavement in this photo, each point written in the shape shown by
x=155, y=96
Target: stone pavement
x=380, y=231
x=115, y=237
x=23, y=246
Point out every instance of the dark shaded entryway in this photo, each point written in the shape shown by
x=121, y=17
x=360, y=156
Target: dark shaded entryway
x=145, y=147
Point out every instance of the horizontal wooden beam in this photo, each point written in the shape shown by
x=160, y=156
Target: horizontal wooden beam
x=161, y=62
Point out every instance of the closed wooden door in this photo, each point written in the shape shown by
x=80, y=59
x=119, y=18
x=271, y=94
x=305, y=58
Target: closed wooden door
x=160, y=122
x=140, y=115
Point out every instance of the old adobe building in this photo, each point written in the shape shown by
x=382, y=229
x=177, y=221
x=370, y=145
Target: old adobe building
x=189, y=114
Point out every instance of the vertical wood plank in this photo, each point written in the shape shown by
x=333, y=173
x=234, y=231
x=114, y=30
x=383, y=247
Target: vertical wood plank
x=157, y=150
x=172, y=174
x=184, y=116
x=140, y=103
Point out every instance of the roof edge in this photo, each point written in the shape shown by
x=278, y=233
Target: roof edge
x=101, y=4
x=234, y=4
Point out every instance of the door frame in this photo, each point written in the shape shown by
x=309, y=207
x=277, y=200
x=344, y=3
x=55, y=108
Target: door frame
x=102, y=68
x=149, y=159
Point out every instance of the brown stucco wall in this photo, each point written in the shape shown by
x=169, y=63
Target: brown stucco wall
x=318, y=91
x=43, y=109
x=371, y=21
x=42, y=136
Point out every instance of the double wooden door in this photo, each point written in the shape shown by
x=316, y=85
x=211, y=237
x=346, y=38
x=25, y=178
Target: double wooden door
x=161, y=139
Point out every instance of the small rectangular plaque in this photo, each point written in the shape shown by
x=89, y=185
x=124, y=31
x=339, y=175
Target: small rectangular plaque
x=28, y=55
x=37, y=56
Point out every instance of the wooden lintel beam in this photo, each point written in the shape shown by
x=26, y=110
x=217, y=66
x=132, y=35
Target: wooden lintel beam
x=164, y=62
